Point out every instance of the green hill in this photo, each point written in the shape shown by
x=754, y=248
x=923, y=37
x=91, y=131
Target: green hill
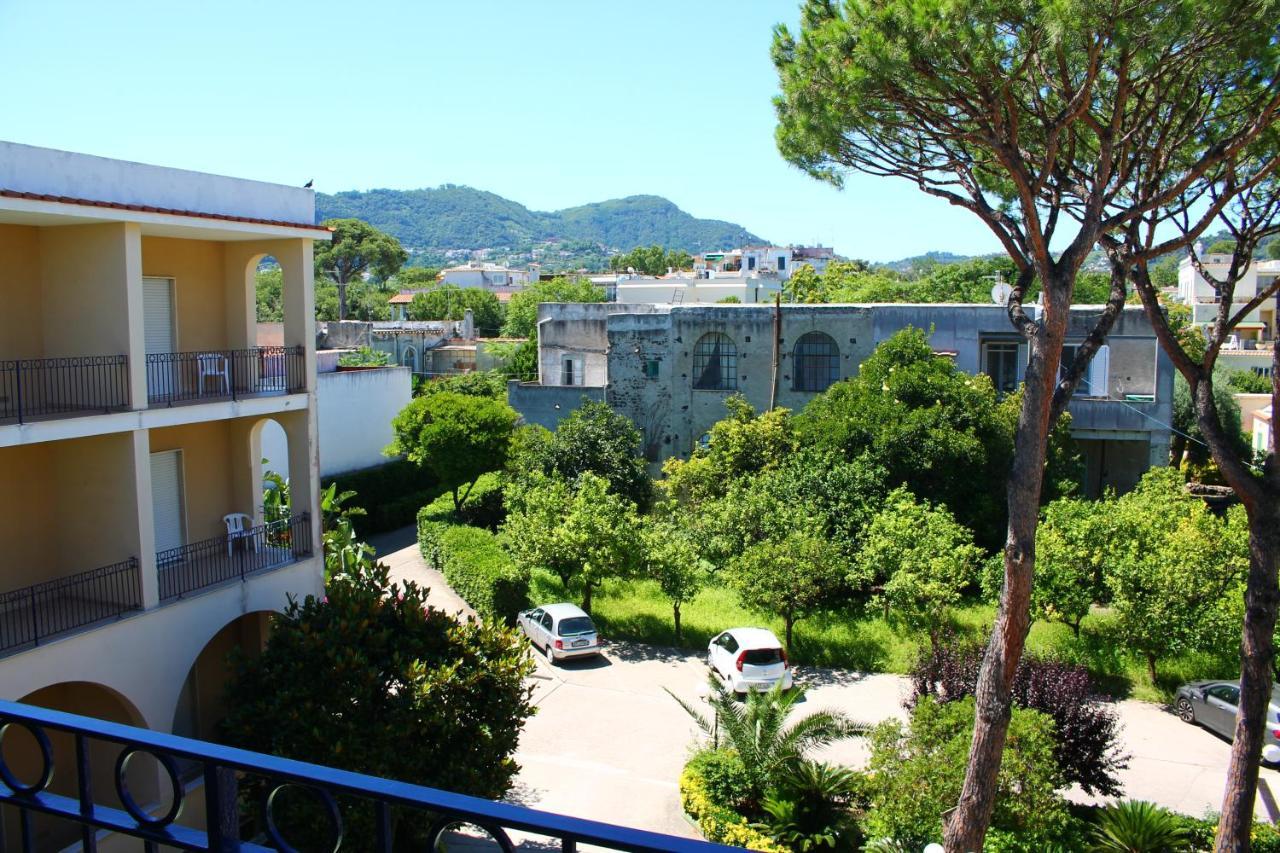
x=455, y=217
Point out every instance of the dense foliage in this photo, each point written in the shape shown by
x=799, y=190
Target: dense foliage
x=1085, y=730
x=480, y=383
x=651, y=260
x=373, y=679
x=479, y=569
x=457, y=437
x=391, y=493
x=915, y=773
x=522, y=309
x=450, y=302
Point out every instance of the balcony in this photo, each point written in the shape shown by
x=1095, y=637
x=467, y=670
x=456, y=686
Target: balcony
x=45, y=388
x=458, y=821
x=40, y=612
x=175, y=378
x=198, y=566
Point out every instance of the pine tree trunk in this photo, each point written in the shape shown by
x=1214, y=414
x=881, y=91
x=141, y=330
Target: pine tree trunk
x=967, y=827
x=342, y=300
x=1257, y=657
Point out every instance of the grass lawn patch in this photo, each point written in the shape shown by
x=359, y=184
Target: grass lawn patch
x=860, y=638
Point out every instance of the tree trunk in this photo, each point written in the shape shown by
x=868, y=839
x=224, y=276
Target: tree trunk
x=1257, y=657
x=967, y=827
x=342, y=300
x=1151, y=668
x=586, y=597
x=1177, y=447
x=789, y=621
x=675, y=610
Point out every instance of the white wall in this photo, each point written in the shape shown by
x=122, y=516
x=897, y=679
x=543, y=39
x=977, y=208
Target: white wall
x=25, y=168
x=356, y=408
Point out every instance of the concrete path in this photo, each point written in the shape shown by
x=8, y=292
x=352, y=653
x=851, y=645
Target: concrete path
x=399, y=550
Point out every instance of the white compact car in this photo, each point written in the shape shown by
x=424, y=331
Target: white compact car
x=749, y=659
x=561, y=631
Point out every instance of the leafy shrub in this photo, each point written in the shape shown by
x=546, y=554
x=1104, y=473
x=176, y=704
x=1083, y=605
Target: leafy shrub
x=483, y=383
x=1136, y=826
x=391, y=493
x=1085, y=730
x=440, y=514
x=364, y=357
x=813, y=807
x=915, y=775
x=1265, y=837
x=720, y=824
x=724, y=777
x=478, y=568
x=374, y=680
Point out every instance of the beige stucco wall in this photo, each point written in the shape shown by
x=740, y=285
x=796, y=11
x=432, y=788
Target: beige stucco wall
x=199, y=302
x=86, y=274
x=21, y=332
x=27, y=515
x=206, y=474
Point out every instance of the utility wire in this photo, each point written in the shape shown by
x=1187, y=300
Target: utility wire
x=1176, y=431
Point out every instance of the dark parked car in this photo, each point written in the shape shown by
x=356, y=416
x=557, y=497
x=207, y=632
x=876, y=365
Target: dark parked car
x=1213, y=705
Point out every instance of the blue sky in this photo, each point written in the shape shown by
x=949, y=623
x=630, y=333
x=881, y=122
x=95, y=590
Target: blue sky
x=550, y=103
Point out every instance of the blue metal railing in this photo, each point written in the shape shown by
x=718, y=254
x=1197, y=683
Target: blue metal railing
x=222, y=768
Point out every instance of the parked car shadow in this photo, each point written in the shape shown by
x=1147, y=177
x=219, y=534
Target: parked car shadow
x=583, y=664
x=629, y=651
x=812, y=676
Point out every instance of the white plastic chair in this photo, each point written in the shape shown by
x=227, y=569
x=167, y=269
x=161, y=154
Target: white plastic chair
x=239, y=526
x=213, y=365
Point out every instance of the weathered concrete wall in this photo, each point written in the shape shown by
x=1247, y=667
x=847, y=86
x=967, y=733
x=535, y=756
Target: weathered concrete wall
x=547, y=405
x=345, y=334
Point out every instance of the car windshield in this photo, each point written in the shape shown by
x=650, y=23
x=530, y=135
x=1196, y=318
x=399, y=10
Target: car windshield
x=762, y=657
x=575, y=625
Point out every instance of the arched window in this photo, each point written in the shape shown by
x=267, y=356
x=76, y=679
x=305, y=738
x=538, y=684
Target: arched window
x=409, y=358
x=817, y=362
x=715, y=363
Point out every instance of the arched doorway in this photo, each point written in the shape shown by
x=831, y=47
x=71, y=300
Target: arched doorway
x=201, y=707
x=23, y=757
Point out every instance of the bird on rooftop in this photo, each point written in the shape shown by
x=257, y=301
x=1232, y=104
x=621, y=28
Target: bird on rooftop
x=308, y=184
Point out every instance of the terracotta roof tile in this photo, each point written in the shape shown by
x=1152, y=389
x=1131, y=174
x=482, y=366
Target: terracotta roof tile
x=142, y=208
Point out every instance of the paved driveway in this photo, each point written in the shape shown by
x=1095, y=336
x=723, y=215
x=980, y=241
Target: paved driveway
x=608, y=741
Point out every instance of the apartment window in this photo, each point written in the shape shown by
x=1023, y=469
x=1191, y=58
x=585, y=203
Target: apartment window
x=782, y=263
x=409, y=358
x=1095, y=381
x=715, y=363
x=570, y=371
x=499, y=279
x=1000, y=362
x=751, y=262
x=817, y=362
x=651, y=368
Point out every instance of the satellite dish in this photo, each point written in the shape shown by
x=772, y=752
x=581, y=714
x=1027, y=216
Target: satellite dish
x=1000, y=293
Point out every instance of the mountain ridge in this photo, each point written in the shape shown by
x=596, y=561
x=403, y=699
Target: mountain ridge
x=455, y=217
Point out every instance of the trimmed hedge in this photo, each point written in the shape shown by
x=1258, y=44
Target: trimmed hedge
x=391, y=494
x=482, y=509
x=719, y=824
x=480, y=570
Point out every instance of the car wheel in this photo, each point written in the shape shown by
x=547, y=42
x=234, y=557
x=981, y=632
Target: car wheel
x=1186, y=713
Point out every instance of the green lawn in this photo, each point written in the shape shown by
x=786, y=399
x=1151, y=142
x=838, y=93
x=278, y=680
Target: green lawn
x=860, y=638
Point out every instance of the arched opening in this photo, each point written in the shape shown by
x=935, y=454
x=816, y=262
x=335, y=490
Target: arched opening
x=22, y=755
x=715, y=363
x=409, y=359
x=816, y=360
x=201, y=705
x=269, y=445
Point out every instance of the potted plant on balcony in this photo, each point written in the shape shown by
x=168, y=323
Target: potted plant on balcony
x=364, y=358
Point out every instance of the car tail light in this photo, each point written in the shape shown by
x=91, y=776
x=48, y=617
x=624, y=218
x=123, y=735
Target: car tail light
x=742, y=656
x=559, y=644
x=1276, y=732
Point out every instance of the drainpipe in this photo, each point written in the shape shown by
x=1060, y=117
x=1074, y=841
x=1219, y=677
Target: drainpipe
x=777, y=346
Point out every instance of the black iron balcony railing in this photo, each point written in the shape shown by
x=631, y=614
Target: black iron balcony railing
x=36, y=613
x=223, y=769
x=199, y=565
x=36, y=388
x=193, y=377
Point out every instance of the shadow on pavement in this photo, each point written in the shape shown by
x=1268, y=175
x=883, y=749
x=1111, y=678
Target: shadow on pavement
x=394, y=540
x=630, y=652
x=583, y=664
x=818, y=677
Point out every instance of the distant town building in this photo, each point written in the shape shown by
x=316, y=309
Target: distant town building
x=778, y=261
x=685, y=288
x=489, y=276
x=669, y=368
x=1251, y=346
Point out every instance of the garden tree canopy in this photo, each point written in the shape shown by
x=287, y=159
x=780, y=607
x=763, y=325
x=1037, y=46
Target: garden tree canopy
x=365, y=301
x=269, y=287
x=790, y=576
x=1040, y=119
x=916, y=772
x=672, y=559
x=457, y=437
x=479, y=383
x=652, y=260
x=409, y=278
x=1170, y=565
x=1188, y=442
x=450, y=302
x=740, y=444
x=921, y=558
x=592, y=439
x=585, y=533
x=522, y=309
x=357, y=248
x=935, y=429
x=373, y=679
x=519, y=359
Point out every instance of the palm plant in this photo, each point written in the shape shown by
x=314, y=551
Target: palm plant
x=1136, y=826
x=758, y=731
x=812, y=807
